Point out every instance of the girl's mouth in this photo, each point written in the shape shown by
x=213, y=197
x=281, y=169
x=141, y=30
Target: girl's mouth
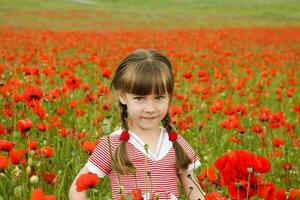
x=149, y=118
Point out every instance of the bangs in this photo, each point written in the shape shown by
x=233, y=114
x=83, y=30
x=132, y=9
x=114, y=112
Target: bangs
x=147, y=78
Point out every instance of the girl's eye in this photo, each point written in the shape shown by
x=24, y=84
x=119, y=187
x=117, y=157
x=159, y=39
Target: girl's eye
x=160, y=97
x=138, y=98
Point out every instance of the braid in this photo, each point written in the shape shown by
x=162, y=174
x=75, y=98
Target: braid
x=123, y=163
x=167, y=123
x=124, y=116
x=182, y=159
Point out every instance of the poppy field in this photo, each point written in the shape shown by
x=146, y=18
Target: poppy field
x=236, y=102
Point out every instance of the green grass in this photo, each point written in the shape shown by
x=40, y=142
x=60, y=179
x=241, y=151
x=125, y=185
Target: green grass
x=134, y=14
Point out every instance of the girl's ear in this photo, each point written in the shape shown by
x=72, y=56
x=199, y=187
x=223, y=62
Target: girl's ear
x=122, y=97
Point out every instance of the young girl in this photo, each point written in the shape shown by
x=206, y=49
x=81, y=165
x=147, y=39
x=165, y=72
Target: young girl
x=143, y=156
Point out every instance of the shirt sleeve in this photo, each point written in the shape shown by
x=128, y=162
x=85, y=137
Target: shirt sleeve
x=100, y=160
x=190, y=152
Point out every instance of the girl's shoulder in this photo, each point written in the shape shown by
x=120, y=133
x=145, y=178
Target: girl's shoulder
x=112, y=138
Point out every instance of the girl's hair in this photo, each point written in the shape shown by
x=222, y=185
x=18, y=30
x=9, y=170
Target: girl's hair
x=144, y=72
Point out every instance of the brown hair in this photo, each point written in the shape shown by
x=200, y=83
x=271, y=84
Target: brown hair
x=144, y=72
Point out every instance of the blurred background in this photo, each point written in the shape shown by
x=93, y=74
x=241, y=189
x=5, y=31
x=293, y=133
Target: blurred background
x=156, y=14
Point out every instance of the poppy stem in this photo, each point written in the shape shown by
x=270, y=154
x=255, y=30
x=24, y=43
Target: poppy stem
x=191, y=189
x=248, y=186
x=63, y=179
x=196, y=184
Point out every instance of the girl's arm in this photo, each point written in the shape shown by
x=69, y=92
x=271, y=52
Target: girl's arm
x=73, y=194
x=192, y=189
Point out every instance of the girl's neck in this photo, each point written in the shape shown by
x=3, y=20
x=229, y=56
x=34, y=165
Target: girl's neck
x=144, y=132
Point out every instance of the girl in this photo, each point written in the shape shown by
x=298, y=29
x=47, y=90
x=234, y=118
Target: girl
x=143, y=157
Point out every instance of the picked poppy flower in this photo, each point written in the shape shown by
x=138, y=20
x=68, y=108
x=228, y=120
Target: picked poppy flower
x=86, y=181
x=38, y=194
x=124, y=136
x=137, y=194
x=6, y=145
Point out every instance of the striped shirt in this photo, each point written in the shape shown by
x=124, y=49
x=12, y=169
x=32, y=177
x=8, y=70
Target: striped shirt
x=156, y=172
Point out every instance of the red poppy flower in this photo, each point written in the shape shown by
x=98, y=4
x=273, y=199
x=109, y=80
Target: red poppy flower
x=297, y=108
x=267, y=191
x=16, y=97
x=32, y=95
x=287, y=166
x=188, y=75
x=86, y=181
x=31, y=70
x=49, y=177
x=282, y=192
x=60, y=111
x=277, y=142
x=239, y=110
x=203, y=75
x=6, y=145
x=89, y=146
x=73, y=82
x=137, y=194
x=262, y=165
x=201, y=124
x=175, y=110
x=24, y=125
x=214, y=196
x=16, y=156
x=103, y=90
x=41, y=126
x=296, y=143
x=3, y=162
x=173, y=136
x=47, y=151
x=39, y=111
x=38, y=194
x=2, y=130
x=106, y=72
x=239, y=190
x=124, y=136
x=257, y=128
x=208, y=173
x=32, y=144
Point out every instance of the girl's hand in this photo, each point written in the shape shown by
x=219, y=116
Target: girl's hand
x=73, y=194
x=192, y=189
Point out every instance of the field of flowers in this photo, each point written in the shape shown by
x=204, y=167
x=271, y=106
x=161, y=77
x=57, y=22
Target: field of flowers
x=236, y=101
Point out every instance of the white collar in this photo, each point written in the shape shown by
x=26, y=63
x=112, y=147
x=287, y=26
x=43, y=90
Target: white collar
x=162, y=149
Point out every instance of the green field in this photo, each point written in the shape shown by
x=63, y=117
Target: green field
x=133, y=14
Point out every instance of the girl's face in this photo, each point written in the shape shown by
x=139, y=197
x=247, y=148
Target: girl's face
x=145, y=112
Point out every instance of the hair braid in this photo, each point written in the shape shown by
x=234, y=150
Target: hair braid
x=167, y=123
x=124, y=116
x=123, y=163
x=182, y=159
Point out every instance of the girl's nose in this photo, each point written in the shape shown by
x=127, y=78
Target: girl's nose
x=150, y=107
